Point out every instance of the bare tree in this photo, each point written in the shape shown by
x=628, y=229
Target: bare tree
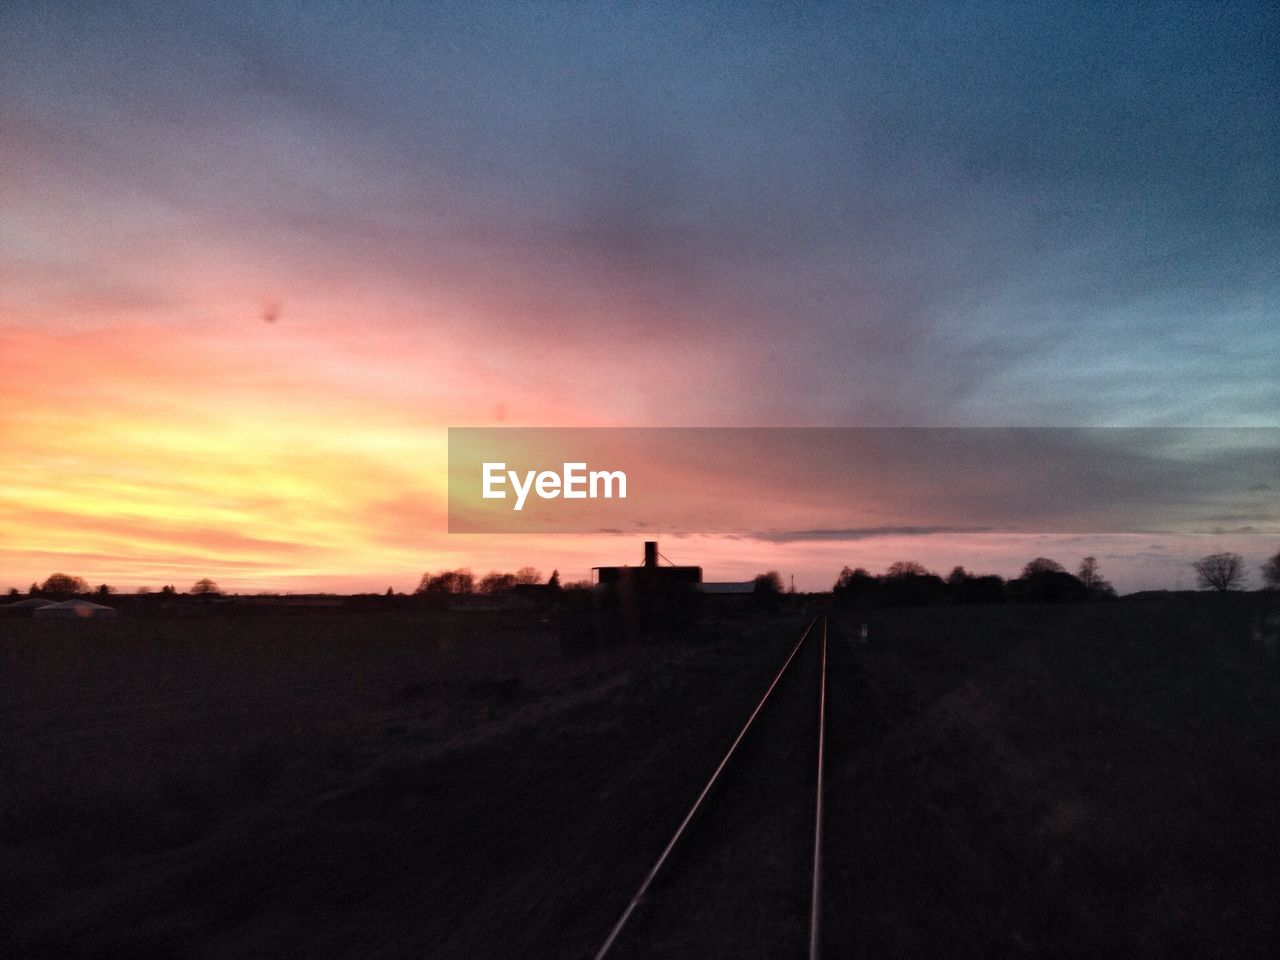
x=1271, y=572
x=1088, y=574
x=205, y=588
x=528, y=575
x=905, y=568
x=495, y=582
x=1091, y=576
x=1219, y=571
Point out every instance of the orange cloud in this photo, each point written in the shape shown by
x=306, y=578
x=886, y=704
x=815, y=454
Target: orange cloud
x=136, y=446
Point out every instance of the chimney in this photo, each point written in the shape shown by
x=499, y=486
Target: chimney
x=651, y=553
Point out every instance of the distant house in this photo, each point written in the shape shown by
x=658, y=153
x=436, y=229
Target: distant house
x=74, y=609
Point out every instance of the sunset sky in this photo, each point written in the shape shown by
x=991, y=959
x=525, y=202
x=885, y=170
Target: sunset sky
x=255, y=260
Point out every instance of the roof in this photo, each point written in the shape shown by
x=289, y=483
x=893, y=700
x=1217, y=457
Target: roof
x=75, y=608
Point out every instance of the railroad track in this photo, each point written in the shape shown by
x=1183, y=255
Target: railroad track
x=742, y=873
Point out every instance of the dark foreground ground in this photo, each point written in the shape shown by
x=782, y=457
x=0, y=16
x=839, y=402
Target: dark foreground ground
x=1099, y=780
x=1081, y=781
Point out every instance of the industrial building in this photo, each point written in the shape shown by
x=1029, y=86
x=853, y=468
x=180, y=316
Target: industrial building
x=648, y=576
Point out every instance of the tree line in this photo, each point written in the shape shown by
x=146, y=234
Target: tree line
x=63, y=586
x=903, y=582
x=462, y=581
x=1041, y=580
x=908, y=583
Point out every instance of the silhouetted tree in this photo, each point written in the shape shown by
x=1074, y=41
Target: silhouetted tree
x=13, y=592
x=855, y=586
x=1088, y=572
x=767, y=588
x=965, y=587
x=1219, y=571
x=390, y=592
x=907, y=583
x=848, y=577
x=104, y=590
x=905, y=568
x=1271, y=572
x=528, y=575
x=63, y=585
x=1092, y=578
x=142, y=591
x=205, y=588
x=1042, y=565
x=33, y=590
x=495, y=582
x=553, y=584
x=447, y=582
x=1046, y=581
x=988, y=588
x=770, y=582
x=168, y=590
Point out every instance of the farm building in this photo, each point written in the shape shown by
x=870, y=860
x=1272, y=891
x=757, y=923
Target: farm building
x=73, y=609
x=648, y=575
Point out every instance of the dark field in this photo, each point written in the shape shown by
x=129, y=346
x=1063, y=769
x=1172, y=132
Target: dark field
x=1090, y=780
x=1078, y=781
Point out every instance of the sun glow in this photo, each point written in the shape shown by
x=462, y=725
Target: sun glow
x=152, y=454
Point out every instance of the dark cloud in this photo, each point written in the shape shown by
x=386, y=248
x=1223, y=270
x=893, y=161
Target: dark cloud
x=858, y=533
x=936, y=213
